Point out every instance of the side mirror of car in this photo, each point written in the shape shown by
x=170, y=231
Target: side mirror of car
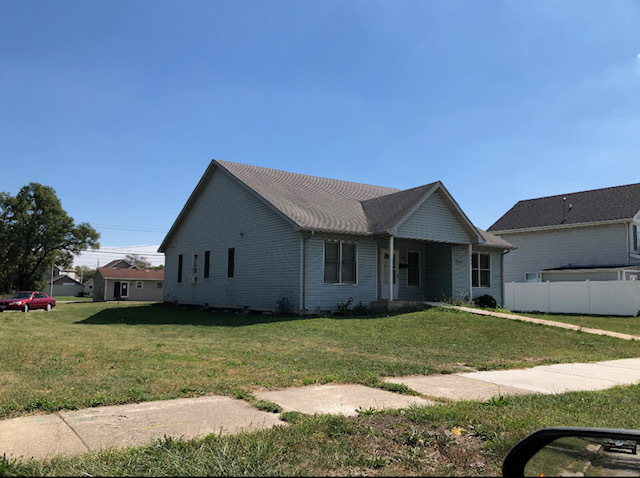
x=567, y=451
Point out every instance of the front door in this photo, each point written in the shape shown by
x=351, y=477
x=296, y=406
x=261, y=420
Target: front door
x=116, y=290
x=384, y=273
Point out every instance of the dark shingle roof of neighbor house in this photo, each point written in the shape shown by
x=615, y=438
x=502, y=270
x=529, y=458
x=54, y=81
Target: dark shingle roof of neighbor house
x=135, y=274
x=597, y=205
x=330, y=205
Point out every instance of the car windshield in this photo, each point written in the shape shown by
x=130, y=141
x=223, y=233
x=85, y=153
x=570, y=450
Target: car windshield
x=21, y=295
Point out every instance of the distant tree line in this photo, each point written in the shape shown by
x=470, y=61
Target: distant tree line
x=36, y=233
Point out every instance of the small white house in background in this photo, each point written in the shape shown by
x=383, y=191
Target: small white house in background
x=255, y=238
x=88, y=288
x=120, y=280
x=64, y=285
x=588, y=235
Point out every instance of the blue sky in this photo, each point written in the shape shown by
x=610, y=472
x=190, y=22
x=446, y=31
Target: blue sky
x=120, y=106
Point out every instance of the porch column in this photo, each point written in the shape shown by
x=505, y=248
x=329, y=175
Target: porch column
x=391, y=259
x=470, y=268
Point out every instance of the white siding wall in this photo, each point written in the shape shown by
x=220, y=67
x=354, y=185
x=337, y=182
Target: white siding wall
x=435, y=220
x=536, y=251
x=267, y=250
x=321, y=296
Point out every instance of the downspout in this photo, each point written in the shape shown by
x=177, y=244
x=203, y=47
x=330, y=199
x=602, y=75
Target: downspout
x=391, y=262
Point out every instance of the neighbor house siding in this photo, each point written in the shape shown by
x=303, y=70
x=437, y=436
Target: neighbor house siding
x=495, y=289
x=267, y=250
x=460, y=277
x=66, y=287
x=588, y=245
x=321, y=296
x=435, y=220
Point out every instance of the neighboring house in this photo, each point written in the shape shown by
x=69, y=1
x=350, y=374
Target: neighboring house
x=59, y=271
x=257, y=238
x=573, y=237
x=120, y=280
x=88, y=288
x=64, y=285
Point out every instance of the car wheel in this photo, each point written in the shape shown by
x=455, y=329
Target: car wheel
x=48, y=308
x=25, y=308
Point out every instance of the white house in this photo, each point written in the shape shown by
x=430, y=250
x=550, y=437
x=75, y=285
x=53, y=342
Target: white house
x=258, y=238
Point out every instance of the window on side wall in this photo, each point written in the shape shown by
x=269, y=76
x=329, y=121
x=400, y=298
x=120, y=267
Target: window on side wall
x=139, y=284
x=180, y=268
x=480, y=270
x=207, y=262
x=413, y=268
x=194, y=269
x=231, y=263
x=636, y=239
x=340, y=262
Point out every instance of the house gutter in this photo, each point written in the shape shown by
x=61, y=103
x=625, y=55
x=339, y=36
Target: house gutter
x=558, y=226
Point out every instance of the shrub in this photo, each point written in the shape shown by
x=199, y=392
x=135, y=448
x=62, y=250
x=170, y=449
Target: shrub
x=485, y=302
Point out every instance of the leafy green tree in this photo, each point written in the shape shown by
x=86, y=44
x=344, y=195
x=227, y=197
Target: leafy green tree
x=35, y=232
x=84, y=272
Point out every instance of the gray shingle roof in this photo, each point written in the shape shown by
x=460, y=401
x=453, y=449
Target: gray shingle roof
x=597, y=205
x=321, y=204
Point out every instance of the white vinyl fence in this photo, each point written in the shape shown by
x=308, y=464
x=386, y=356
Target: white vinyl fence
x=588, y=297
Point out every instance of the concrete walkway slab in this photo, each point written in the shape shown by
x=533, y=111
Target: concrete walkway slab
x=455, y=387
x=129, y=425
x=541, y=381
x=38, y=436
x=619, y=375
x=93, y=429
x=339, y=399
x=633, y=363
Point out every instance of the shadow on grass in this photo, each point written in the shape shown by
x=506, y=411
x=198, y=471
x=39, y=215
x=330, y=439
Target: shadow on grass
x=164, y=314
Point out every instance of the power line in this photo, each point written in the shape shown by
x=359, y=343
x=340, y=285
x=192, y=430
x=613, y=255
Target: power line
x=139, y=253
x=127, y=228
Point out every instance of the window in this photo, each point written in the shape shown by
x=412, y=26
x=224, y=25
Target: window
x=180, y=268
x=159, y=285
x=413, y=268
x=636, y=239
x=480, y=270
x=139, y=284
x=207, y=260
x=194, y=269
x=231, y=262
x=340, y=260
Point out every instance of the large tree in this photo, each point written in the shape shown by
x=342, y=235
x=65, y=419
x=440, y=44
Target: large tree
x=139, y=261
x=35, y=233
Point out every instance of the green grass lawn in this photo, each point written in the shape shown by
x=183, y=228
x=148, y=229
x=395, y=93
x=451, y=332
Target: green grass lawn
x=414, y=442
x=90, y=354
x=625, y=325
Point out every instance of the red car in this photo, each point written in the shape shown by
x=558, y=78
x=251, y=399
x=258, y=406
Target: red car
x=26, y=301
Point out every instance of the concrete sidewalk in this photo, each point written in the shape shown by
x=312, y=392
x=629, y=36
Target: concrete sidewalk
x=93, y=429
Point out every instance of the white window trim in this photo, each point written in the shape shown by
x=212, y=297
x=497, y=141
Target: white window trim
x=419, y=271
x=480, y=270
x=340, y=283
x=139, y=284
